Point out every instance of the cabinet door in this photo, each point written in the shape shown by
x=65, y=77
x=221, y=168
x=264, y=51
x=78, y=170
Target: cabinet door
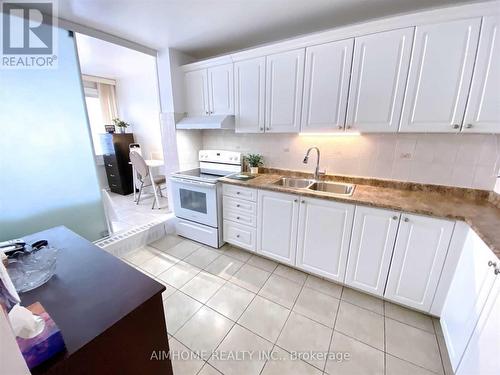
x=483, y=109
x=324, y=234
x=277, y=225
x=326, y=83
x=440, y=74
x=417, y=261
x=373, y=237
x=249, y=94
x=379, y=72
x=469, y=289
x=284, y=82
x=481, y=355
x=196, y=91
x=221, y=90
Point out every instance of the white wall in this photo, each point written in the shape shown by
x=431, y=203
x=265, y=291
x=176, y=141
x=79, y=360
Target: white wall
x=136, y=86
x=457, y=160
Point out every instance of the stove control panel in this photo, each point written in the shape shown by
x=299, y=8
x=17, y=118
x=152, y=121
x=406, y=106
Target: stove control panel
x=220, y=156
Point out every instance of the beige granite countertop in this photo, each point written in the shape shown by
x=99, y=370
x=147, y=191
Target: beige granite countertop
x=477, y=211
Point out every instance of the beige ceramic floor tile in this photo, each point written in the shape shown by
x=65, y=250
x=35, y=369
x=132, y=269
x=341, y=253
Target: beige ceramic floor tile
x=363, y=300
x=178, y=309
x=158, y=264
x=304, y=335
x=363, y=359
x=241, y=340
x=396, y=366
x=224, y=267
x=281, y=290
x=324, y=286
x=317, y=306
x=291, y=274
x=167, y=242
x=204, y=331
x=140, y=255
x=179, y=274
x=265, y=318
x=262, y=263
x=361, y=324
x=236, y=253
x=208, y=370
x=203, y=286
x=231, y=300
x=183, y=249
x=283, y=363
x=413, y=345
x=183, y=360
x=411, y=317
x=202, y=257
x=250, y=277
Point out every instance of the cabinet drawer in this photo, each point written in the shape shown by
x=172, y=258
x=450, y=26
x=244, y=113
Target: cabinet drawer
x=239, y=217
x=239, y=206
x=240, y=192
x=240, y=235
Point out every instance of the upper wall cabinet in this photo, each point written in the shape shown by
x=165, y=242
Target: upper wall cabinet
x=284, y=82
x=210, y=91
x=440, y=75
x=379, y=72
x=483, y=109
x=249, y=95
x=196, y=91
x=326, y=83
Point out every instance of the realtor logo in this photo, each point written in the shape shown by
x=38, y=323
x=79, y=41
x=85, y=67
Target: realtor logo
x=28, y=34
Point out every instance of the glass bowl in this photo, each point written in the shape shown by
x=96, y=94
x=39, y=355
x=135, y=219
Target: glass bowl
x=29, y=270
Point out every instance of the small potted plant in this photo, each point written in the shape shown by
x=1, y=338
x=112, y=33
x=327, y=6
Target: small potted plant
x=122, y=125
x=255, y=161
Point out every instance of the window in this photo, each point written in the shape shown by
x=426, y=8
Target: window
x=101, y=106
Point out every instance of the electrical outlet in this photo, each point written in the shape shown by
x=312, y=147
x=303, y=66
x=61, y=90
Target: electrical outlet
x=405, y=155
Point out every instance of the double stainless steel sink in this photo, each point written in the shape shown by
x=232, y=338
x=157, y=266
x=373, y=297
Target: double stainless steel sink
x=333, y=188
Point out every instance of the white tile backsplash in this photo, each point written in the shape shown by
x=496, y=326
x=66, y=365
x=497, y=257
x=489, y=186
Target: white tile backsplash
x=465, y=160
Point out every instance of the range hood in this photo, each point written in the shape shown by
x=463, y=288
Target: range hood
x=207, y=122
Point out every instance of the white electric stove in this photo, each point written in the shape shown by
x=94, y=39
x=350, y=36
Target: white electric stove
x=197, y=196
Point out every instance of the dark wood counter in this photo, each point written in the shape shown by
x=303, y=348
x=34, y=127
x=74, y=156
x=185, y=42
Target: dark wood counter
x=110, y=315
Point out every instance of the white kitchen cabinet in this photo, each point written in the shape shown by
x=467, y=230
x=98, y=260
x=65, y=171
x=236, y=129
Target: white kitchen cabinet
x=481, y=355
x=418, y=258
x=220, y=83
x=249, y=95
x=372, y=243
x=209, y=91
x=379, y=72
x=483, y=109
x=326, y=84
x=277, y=219
x=196, y=92
x=323, y=237
x=471, y=284
x=284, y=82
x=440, y=76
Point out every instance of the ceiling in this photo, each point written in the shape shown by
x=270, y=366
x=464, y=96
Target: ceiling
x=203, y=28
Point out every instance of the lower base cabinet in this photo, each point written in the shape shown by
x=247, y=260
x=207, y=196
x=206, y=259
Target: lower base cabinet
x=481, y=354
x=418, y=258
x=277, y=215
x=470, y=287
x=373, y=236
x=324, y=233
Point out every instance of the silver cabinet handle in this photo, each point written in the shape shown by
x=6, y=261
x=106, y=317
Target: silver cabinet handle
x=237, y=205
x=406, y=220
x=302, y=201
x=394, y=217
x=348, y=126
x=262, y=129
x=237, y=218
x=237, y=193
x=456, y=126
x=492, y=264
x=211, y=112
x=340, y=127
x=295, y=200
x=206, y=112
x=497, y=271
x=237, y=236
x=468, y=126
x=268, y=128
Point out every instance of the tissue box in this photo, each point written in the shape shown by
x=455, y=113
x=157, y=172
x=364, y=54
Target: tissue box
x=44, y=346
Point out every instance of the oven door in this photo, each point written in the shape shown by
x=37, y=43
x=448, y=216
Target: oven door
x=195, y=200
